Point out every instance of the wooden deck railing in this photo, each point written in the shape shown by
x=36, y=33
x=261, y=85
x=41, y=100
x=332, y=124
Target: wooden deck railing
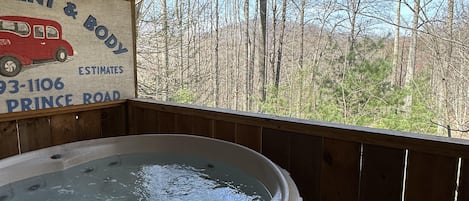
x=329, y=162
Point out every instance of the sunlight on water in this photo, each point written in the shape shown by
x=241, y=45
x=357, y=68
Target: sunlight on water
x=182, y=182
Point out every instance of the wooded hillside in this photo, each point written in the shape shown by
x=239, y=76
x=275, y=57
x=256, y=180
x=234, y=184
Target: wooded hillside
x=394, y=64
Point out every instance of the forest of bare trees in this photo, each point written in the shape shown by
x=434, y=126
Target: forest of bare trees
x=393, y=64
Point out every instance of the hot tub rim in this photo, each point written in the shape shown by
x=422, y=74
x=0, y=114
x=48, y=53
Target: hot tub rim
x=79, y=149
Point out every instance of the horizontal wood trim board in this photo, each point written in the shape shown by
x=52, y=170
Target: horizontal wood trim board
x=61, y=110
x=400, y=140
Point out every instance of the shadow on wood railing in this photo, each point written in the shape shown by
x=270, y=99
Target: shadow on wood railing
x=329, y=162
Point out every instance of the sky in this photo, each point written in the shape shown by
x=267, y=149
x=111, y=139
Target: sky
x=318, y=9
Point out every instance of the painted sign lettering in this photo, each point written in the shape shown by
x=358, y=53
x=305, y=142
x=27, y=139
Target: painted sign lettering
x=48, y=3
x=59, y=53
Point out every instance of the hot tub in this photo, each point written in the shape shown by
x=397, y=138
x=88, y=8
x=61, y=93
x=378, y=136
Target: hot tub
x=33, y=172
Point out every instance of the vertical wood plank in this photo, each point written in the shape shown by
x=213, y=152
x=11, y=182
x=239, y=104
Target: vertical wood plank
x=113, y=121
x=135, y=115
x=9, y=139
x=463, y=188
x=202, y=126
x=149, y=122
x=88, y=124
x=249, y=136
x=63, y=129
x=34, y=134
x=166, y=122
x=305, y=165
x=184, y=124
x=276, y=146
x=382, y=173
x=430, y=177
x=143, y=121
x=340, y=170
x=225, y=130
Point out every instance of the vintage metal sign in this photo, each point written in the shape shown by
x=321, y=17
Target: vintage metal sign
x=56, y=53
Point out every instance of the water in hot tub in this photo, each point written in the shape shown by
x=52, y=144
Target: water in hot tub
x=140, y=177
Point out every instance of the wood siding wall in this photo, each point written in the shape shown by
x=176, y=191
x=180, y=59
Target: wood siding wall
x=328, y=162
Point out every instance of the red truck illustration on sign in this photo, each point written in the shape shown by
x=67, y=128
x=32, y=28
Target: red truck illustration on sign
x=24, y=40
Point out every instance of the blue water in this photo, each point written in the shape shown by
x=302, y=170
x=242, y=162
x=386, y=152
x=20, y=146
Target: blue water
x=141, y=177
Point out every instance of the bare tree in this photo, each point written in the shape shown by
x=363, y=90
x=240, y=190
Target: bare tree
x=216, y=67
x=179, y=15
x=395, y=57
x=279, y=50
x=164, y=13
x=410, y=69
x=252, y=53
x=273, y=33
x=353, y=10
x=246, y=51
x=447, y=63
x=301, y=56
x=262, y=49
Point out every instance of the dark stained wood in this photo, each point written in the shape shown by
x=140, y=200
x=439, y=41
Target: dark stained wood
x=393, y=139
x=59, y=110
x=305, y=165
x=88, y=124
x=135, y=115
x=382, y=173
x=34, y=133
x=225, y=131
x=149, y=123
x=463, y=189
x=63, y=128
x=249, y=136
x=143, y=120
x=430, y=177
x=184, y=124
x=8, y=139
x=166, y=122
x=113, y=121
x=340, y=170
x=202, y=127
x=276, y=146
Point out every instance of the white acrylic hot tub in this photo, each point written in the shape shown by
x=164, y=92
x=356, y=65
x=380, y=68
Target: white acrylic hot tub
x=276, y=180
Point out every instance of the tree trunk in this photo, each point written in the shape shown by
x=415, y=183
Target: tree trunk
x=191, y=27
x=252, y=56
x=409, y=73
x=238, y=43
x=301, y=58
x=166, y=48
x=279, y=51
x=246, y=51
x=395, y=57
x=217, y=68
x=179, y=15
x=353, y=10
x=272, y=55
x=262, y=49
x=447, y=95
x=229, y=58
